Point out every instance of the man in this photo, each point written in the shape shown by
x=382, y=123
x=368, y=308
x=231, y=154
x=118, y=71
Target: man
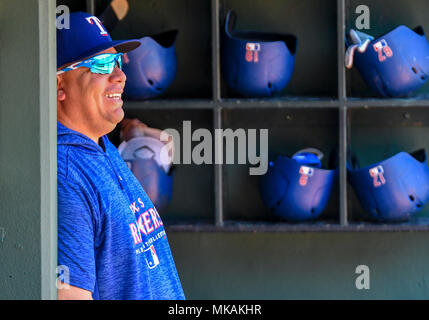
x=111, y=239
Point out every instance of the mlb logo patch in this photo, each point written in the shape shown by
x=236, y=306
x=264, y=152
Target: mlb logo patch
x=377, y=174
x=151, y=257
x=383, y=50
x=305, y=173
x=252, y=52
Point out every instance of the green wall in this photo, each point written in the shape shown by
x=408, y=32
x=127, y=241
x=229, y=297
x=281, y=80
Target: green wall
x=27, y=149
x=301, y=265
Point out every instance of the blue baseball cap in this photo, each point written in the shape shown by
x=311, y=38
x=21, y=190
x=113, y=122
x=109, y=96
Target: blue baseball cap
x=86, y=37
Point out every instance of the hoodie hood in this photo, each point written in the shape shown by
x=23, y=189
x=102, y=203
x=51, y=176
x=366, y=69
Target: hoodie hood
x=87, y=152
x=69, y=137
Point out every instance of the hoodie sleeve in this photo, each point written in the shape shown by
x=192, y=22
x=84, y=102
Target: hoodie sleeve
x=76, y=237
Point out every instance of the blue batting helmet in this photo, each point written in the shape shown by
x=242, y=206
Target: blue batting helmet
x=143, y=156
x=151, y=69
x=393, y=189
x=397, y=63
x=297, y=189
x=256, y=63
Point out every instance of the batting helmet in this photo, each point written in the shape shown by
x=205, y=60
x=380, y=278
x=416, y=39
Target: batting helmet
x=297, y=189
x=151, y=69
x=256, y=63
x=397, y=63
x=393, y=189
x=155, y=174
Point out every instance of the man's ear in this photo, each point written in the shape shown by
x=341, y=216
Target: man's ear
x=126, y=59
x=61, y=94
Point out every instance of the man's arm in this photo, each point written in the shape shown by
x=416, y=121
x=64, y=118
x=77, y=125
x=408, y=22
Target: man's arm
x=73, y=293
x=75, y=239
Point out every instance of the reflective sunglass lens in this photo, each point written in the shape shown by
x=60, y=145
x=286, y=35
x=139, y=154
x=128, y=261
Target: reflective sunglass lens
x=105, y=64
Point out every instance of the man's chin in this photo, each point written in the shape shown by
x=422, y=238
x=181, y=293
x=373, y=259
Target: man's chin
x=115, y=117
x=119, y=114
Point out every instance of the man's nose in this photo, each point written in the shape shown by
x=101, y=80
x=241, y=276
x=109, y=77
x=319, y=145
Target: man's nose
x=118, y=75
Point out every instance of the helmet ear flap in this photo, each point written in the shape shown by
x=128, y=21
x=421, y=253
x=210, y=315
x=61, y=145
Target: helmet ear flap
x=310, y=157
x=230, y=20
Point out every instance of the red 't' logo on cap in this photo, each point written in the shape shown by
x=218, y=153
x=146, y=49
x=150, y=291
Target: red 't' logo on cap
x=97, y=21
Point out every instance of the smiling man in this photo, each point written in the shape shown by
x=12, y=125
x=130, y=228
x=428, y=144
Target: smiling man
x=111, y=239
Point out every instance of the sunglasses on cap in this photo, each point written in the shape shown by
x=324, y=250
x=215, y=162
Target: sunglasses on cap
x=103, y=63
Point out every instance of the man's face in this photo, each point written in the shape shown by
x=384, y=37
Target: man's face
x=91, y=103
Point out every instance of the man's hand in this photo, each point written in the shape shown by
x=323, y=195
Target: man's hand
x=132, y=128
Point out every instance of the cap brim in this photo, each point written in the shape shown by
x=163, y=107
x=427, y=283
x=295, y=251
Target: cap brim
x=122, y=46
x=127, y=46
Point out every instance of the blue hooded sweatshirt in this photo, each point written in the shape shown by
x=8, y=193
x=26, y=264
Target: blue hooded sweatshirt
x=111, y=239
